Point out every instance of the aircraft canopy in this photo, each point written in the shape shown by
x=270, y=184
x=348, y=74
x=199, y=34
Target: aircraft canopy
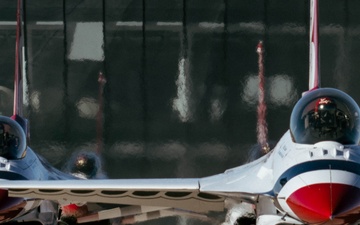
x=325, y=114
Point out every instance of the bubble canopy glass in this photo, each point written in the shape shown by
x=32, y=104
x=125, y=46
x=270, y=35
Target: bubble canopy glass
x=325, y=114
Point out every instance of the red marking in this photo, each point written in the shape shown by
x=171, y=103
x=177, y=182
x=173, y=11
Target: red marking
x=262, y=129
x=74, y=210
x=326, y=203
x=324, y=101
x=321, y=102
x=259, y=48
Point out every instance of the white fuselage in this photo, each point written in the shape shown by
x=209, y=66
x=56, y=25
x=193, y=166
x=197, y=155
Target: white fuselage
x=317, y=183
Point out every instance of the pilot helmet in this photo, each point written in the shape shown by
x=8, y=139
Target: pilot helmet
x=325, y=115
x=86, y=164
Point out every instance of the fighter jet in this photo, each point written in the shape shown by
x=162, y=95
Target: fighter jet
x=311, y=176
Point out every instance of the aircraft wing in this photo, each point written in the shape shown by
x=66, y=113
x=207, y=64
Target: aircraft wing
x=180, y=193
x=244, y=183
x=196, y=195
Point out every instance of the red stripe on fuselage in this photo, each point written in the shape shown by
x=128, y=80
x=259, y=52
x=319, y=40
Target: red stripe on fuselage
x=326, y=203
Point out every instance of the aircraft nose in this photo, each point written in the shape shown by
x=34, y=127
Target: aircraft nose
x=325, y=203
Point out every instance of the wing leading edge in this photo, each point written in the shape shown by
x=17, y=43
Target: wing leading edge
x=199, y=195
x=178, y=193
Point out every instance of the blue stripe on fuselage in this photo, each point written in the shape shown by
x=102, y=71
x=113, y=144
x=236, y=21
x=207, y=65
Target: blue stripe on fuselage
x=298, y=169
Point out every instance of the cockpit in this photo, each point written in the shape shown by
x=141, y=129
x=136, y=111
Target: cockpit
x=12, y=139
x=325, y=115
